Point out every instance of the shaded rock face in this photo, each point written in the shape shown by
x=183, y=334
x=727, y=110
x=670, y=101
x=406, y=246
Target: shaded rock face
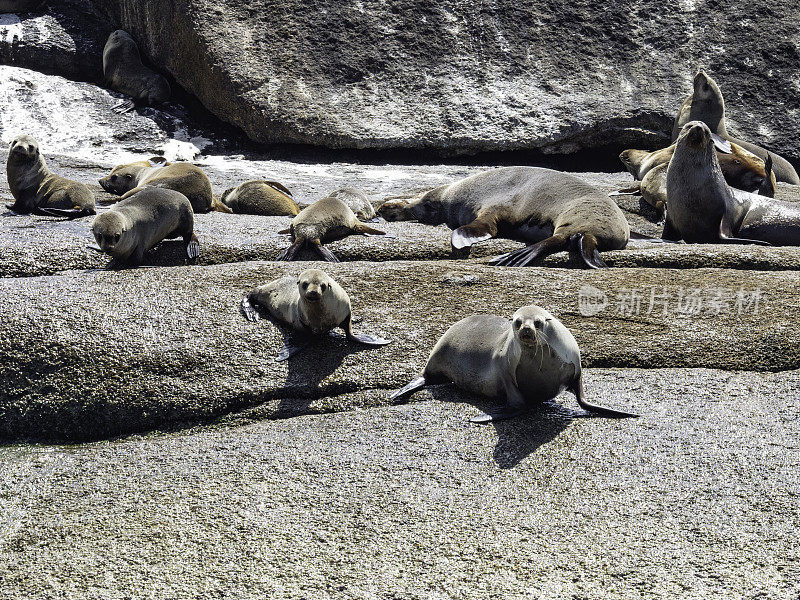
x=465, y=77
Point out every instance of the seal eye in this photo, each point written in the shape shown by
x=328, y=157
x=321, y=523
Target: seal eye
x=116, y=238
x=305, y=285
x=736, y=161
x=517, y=323
x=323, y=287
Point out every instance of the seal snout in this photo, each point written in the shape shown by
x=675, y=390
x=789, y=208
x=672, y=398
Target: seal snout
x=697, y=134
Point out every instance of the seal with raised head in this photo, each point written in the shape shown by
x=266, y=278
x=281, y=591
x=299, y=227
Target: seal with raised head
x=702, y=208
x=140, y=222
x=36, y=190
x=312, y=304
x=183, y=177
x=525, y=361
x=742, y=169
x=706, y=104
x=259, y=197
x=357, y=201
x=125, y=73
x=326, y=220
x=548, y=209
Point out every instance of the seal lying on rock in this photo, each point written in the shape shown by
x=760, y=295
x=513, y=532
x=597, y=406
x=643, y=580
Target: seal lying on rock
x=527, y=360
x=182, y=177
x=259, y=197
x=125, y=73
x=36, y=190
x=357, y=201
x=140, y=222
x=702, y=208
x=312, y=304
x=326, y=220
x=549, y=209
x=706, y=104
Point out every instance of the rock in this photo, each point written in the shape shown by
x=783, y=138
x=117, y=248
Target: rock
x=468, y=77
x=697, y=498
x=62, y=37
x=95, y=354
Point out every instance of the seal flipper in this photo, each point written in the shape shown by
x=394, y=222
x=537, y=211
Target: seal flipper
x=669, y=233
x=249, y=309
x=69, y=213
x=192, y=247
x=587, y=248
x=123, y=106
x=279, y=187
x=326, y=254
x=95, y=247
x=291, y=251
x=365, y=229
x=363, y=338
x=515, y=404
x=767, y=188
x=503, y=415
x=634, y=190
x=408, y=389
x=477, y=231
x=577, y=389
x=721, y=144
x=293, y=346
x=525, y=256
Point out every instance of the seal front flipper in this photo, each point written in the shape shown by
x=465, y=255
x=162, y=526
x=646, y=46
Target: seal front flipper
x=193, y=247
x=587, y=248
x=293, y=346
x=69, y=213
x=502, y=415
x=528, y=255
x=577, y=389
x=363, y=338
x=123, y=106
x=721, y=144
x=481, y=229
x=367, y=230
x=95, y=247
x=249, y=309
x=408, y=389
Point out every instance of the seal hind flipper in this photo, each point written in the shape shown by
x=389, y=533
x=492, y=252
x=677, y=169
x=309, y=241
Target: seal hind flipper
x=767, y=188
x=279, y=187
x=326, y=254
x=633, y=190
x=467, y=235
x=291, y=251
x=69, y=213
x=123, y=106
x=408, y=389
x=363, y=338
x=365, y=229
x=217, y=206
x=577, y=389
x=587, y=248
x=525, y=256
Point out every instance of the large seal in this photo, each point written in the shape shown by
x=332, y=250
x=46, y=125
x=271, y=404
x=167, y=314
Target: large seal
x=706, y=104
x=549, y=209
x=36, y=190
x=125, y=73
x=527, y=360
x=312, y=304
x=326, y=220
x=702, y=208
x=259, y=197
x=742, y=169
x=183, y=177
x=140, y=222
x=357, y=201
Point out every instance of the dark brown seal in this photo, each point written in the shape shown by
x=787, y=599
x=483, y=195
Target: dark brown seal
x=125, y=73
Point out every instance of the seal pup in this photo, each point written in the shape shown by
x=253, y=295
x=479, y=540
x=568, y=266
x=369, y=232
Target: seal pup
x=312, y=304
x=548, y=209
x=259, y=197
x=701, y=207
x=36, y=190
x=527, y=360
x=140, y=222
x=706, y=104
x=742, y=169
x=125, y=73
x=357, y=201
x=326, y=220
x=183, y=177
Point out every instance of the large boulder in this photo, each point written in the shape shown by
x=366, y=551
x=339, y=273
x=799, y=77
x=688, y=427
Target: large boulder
x=470, y=76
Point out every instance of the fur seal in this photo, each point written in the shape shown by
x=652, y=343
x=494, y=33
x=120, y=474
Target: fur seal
x=259, y=197
x=326, y=220
x=742, y=169
x=706, y=104
x=36, y=190
x=357, y=201
x=702, y=208
x=527, y=360
x=183, y=177
x=548, y=209
x=312, y=304
x=125, y=73
x=140, y=222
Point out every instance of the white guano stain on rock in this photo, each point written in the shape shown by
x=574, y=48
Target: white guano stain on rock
x=10, y=28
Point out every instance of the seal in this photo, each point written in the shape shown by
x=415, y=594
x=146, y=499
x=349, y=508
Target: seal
x=326, y=220
x=706, y=104
x=525, y=361
x=548, y=209
x=742, y=169
x=125, y=73
x=140, y=222
x=312, y=304
x=357, y=201
x=259, y=197
x=36, y=190
x=183, y=177
x=702, y=208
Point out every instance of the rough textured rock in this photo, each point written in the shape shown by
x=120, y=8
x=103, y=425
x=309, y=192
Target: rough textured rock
x=696, y=499
x=468, y=76
x=95, y=354
x=64, y=37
